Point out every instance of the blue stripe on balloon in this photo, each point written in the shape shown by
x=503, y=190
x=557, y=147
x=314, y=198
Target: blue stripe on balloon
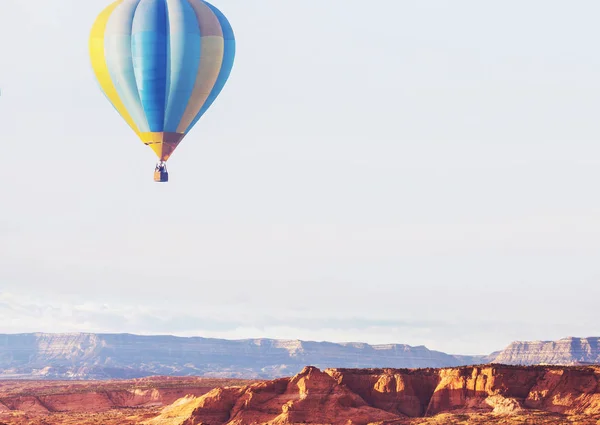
x=149, y=40
x=226, y=66
x=184, y=57
x=117, y=47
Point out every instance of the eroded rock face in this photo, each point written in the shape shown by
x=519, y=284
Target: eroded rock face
x=94, y=396
x=551, y=389
x=404, y=392
x=213, y=407
x=26, y=404
x=357, y=397
x=311, y=396
x=568, y=391
x=97, y=401
x=490, y=394
x=470, y=387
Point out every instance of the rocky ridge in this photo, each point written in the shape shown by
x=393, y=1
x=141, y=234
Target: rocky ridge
x=125, y=356
x=487, y=394
x=393, y=396
x=93, y=396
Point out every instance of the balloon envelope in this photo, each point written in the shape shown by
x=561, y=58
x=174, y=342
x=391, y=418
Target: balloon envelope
x=161, y=63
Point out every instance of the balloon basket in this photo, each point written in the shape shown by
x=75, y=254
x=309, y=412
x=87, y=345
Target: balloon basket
x=160, y=172
x=161, y=176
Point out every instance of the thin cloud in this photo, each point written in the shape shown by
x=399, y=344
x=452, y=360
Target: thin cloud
x=19, y=314
x=102, y=317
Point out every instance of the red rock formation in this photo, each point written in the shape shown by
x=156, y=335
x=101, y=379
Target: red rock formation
x=213, y=407
x=566, y=390
x=82, y=402
x=95, y=396
x=400, y=391
x=26, y=403
x=492, y=394
x=98, y=401
x=346, y=396
x=309, y=397
x=469, y=387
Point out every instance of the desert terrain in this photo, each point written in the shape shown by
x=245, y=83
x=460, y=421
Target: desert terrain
x=488, y=394
x=97, y=402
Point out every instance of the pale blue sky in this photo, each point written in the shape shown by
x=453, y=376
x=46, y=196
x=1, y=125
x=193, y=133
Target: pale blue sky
x=412, y=171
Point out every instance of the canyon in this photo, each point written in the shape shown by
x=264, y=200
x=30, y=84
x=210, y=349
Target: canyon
x=126, y=356
x=490, y=394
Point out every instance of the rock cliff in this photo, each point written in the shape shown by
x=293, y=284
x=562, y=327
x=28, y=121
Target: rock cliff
x=567, y=351
x=393, y=396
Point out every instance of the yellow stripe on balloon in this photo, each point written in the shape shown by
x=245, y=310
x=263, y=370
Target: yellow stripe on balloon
x=96, y=45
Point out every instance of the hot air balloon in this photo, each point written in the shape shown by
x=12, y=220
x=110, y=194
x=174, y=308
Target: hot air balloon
x=161, y=63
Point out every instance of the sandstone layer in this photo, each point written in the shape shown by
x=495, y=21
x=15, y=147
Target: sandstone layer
x=44, y=401
x=489, y=394
x=394, y=396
